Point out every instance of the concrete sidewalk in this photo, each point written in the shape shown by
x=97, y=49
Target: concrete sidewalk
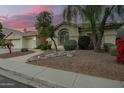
x=39, y=76
x=25, y=57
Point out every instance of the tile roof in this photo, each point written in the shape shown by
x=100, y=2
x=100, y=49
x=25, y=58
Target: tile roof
x=6, y=31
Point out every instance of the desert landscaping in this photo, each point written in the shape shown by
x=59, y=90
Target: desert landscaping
x=85, y=62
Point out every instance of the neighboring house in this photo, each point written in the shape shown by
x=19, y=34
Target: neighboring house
x=27, y=39
x=66, y=32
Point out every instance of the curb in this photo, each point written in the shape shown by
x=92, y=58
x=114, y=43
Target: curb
x=22, y=78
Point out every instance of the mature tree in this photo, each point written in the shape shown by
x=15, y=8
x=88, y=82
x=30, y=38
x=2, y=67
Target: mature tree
x=97, y=16
x=3, y=41
x=1, y=34
x=45, y=27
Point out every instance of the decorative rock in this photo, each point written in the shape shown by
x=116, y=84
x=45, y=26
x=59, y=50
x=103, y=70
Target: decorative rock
x=38, y=57
x=34, y=58
x=51, y=55
x=69, y=55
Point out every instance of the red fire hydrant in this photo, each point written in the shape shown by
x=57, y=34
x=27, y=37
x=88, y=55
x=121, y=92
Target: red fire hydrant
x=120, y=49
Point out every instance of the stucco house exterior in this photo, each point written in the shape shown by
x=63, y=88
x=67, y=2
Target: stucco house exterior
x=26, y=39
x=66, y=32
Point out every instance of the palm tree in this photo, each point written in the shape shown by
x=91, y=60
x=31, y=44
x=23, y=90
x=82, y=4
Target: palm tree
x=97, y=16
x=71, y=14
x=91, y=13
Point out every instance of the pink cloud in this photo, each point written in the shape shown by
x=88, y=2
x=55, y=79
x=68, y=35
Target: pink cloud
x=20, y=21
x=3, y=18
x=28, y=19
x=57, y=19
x=39, y=8
x=19, y=24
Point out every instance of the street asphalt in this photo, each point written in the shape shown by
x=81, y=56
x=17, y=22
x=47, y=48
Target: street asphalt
x=9, y=83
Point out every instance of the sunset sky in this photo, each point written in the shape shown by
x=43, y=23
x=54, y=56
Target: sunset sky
x=24, y=16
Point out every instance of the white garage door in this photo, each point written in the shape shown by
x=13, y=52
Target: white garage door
x=31, y=43
x=16, y=43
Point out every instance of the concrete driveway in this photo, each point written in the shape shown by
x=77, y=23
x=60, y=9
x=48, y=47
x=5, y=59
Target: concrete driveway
x=2, y=50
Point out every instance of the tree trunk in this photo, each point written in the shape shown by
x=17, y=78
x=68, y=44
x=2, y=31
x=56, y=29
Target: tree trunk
x=94, y=40
x=94, y=35
x=99, y=43
x=101, y=28
x=54, y=44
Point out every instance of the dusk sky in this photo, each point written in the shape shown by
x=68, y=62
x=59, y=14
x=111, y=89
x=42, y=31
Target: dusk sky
x=23, y=16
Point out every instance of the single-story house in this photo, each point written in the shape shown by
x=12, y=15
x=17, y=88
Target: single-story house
x=66, y=32
x=26, y=39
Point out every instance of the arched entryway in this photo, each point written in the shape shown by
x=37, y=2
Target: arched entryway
x=63, y=36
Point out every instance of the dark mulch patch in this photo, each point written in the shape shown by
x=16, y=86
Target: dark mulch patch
x=15, y=54
x=87, y=62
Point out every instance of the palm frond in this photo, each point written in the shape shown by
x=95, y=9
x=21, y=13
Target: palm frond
x=120, y=11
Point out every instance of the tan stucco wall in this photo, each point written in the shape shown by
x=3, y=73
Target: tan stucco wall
x=39, y=41
x=73, y=34
x=73, y=31
x=109, y=35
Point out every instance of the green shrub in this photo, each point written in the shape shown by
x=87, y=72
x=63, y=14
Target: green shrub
x=113, y=51
x=4, y=44
x=38, y=47
x=49, y=46
x=44, y=47
x=70, y=45
x=107, y=46
x=24, y=50
x=83, y=42
x=91, y=46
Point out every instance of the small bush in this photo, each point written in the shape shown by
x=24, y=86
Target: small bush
x=70, y=45
x=107, y=46
x=84, y=42
x=44, y=47
x=24, y=50
x=113, y=51
x=38, y=47
x=91, y=46
x=4, y=44
x=49, y=46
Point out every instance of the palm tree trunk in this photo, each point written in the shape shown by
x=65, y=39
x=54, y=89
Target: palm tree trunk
x=54, y=44
x=93, y=38
x=99, y=43
x=94, y=35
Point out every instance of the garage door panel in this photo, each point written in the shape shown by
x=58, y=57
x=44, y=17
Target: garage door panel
x=31, y=43
x=16, y=43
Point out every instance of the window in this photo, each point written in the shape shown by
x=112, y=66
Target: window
x=63, y=36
